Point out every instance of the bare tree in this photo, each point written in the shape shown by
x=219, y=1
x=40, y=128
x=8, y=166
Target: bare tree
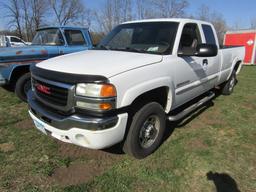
x=253, y=23
x=113, y=13
x=145, y=9
x=27, y=19
x=220, y=26
x=67, y=11
x=170, y=8
x=39, y=9
x=13, y=9
x=34, y=12
x=206, y=14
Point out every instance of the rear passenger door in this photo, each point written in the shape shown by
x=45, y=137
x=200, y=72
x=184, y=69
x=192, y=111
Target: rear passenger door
x=75, y=41
x=213, y=63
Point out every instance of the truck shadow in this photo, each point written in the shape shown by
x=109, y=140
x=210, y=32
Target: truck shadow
x=223, y=182
x=99, y=161
x=171, y=126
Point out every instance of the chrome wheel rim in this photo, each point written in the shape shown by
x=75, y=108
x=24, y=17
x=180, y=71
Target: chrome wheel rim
x=149, y=131
x=232, y=84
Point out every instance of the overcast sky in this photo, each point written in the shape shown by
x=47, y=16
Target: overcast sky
x=235, y=12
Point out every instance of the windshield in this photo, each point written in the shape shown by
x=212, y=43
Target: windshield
x=148, y=37
x=48, y=37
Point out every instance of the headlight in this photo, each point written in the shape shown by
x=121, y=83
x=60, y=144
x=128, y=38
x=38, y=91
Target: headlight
x=96, y=97
x=95, y=90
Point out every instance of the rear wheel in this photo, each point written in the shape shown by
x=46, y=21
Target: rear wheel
x=22, y=86
x=146, y=131
x=228, y=87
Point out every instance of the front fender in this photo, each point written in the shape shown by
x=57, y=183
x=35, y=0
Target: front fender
x=134, y=92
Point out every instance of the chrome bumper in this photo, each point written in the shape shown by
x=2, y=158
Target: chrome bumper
x=67, y=122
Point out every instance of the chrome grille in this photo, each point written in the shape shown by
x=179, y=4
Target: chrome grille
x=57, y=95
x=53, y=94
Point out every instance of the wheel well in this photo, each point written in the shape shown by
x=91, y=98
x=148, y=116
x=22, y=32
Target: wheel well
x=237, y=66
x=17, y=73
x=158, y=95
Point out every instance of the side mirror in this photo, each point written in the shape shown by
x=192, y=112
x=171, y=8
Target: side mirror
x=206, y=50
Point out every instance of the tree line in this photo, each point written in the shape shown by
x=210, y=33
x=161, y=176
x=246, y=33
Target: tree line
x=25, y=16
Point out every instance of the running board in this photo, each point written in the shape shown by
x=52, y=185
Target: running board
x=190, y=109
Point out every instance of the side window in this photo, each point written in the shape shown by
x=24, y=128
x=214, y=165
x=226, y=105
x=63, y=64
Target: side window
x=74, y=37
x=16, y=40
x=190, y=38
x=209, y=35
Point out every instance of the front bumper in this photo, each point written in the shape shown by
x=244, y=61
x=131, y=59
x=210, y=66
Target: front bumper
x=94, y=133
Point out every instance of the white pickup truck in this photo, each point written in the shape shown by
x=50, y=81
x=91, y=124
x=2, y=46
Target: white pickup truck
x=126, y=89
x=12, y=41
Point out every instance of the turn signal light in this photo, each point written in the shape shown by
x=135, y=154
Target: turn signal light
x=108, y=90
x=105, y=106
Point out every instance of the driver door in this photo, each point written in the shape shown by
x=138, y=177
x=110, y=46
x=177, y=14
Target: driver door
x=190, y=70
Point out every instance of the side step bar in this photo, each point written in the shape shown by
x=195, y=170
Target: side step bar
x=190, y=109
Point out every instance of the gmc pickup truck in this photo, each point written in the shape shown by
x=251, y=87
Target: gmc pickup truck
x=47, y=43
x=125, y=90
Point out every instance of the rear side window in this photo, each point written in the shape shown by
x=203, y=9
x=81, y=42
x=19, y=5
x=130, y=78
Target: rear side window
x=74, y=37
x=16, y=40
x=209, y=35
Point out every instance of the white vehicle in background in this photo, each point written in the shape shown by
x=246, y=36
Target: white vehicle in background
x=2, y=41
x=12, y=41
x=142, y=74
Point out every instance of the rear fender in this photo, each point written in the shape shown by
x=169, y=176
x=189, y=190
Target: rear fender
x=235, y=62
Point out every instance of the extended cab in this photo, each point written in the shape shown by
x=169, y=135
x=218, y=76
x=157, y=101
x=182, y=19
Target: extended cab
x=48, y=42
x=136, y=79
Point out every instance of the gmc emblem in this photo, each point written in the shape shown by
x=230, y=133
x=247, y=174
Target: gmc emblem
x=43, y=89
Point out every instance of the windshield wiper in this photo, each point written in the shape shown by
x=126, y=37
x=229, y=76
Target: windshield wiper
x=103, y=47
x=136, y=50
x=130, y=49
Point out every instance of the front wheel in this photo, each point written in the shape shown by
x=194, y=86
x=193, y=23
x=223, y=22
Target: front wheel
x=22, y=86
x=146, y=131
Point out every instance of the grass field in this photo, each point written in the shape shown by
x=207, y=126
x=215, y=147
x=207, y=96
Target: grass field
x=213, y=150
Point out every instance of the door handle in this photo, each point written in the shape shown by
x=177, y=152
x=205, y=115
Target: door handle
x=205, y=62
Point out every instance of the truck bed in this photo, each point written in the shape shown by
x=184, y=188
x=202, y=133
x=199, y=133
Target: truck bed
x=229, y=57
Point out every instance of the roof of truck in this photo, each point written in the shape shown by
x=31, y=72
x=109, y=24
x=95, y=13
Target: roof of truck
x=62, y=27
x=167, y=20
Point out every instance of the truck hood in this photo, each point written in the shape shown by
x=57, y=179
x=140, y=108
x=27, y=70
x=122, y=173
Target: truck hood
x=28, y=53
x=99, y=62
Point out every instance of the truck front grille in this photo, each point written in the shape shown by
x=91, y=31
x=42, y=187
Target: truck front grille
x=53, y=94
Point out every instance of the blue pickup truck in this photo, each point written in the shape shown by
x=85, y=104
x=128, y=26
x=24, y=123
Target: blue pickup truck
x=48, y=42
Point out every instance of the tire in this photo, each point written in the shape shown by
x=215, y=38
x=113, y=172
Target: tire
x=146, y=131
x=22, y=86
x=228, y=87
